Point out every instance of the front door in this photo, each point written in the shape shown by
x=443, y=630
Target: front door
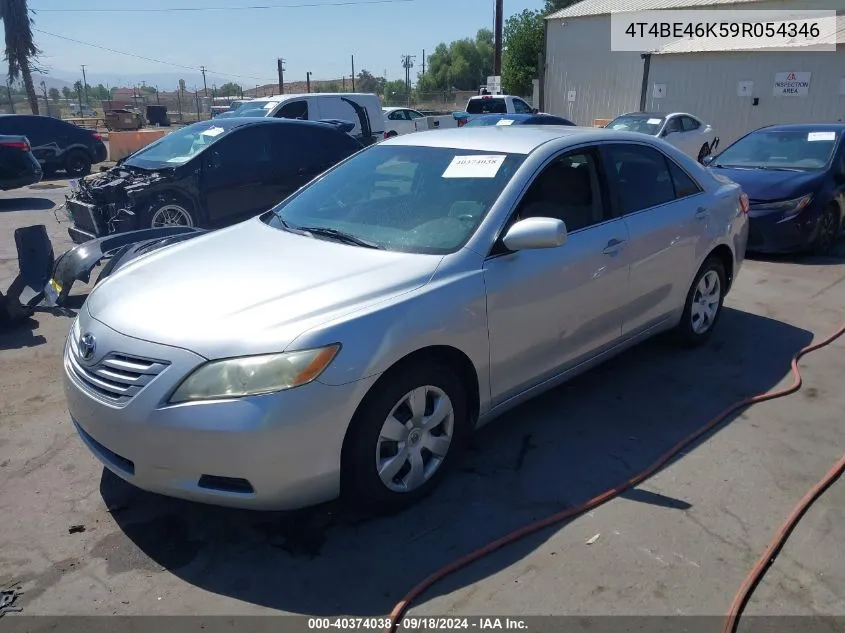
x=549, y=309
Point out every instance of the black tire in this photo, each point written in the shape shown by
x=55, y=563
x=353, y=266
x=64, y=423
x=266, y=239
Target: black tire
x=166, y=209
x=686, y=332
x=362, y=488
x=391, y=134
x=77, y=164
x=704, y=152
x=828, y=231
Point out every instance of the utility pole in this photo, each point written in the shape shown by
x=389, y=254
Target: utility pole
x=204, y=85
x=308, y=82
x=214, y=91
x=353, y=73
x=46, y=101
x=85, y=85
x=79, y=98
x=407, y=64
x=9, y=92
x=423, y=60
x=344, y=86
x=197, y=99
x=158, y=101
x=497, y=52
x=280, y=63
x=179, y=100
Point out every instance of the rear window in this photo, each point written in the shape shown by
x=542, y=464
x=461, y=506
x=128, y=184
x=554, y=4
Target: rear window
x=489, y=105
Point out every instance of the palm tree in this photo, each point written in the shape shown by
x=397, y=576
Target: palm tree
x=20, y=47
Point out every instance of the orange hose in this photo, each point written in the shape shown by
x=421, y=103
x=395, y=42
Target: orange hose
x=756, y=573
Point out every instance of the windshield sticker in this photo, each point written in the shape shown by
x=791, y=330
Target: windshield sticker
x=821, y=136
x=212, y=131
x=504, y=122
x=486, y=166
x=654, y=121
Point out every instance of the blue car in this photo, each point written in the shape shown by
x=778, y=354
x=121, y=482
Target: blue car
x=518, y=119
x=794, y=176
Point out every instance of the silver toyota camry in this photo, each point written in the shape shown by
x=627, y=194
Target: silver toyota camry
x=347, y=341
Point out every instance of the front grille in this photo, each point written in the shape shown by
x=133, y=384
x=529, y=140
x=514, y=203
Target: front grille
x=85, y=216
x=116, y=378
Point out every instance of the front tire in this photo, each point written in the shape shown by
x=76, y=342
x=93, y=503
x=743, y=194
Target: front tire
x=77, y=164
x=170, y=211
x=406, y=433
x=704, y=304
x=828, y=231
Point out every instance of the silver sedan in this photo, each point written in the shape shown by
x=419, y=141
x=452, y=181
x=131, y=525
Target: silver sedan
x=347, y=341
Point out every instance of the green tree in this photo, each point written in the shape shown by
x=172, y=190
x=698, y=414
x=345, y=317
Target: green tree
x=329, y=86
x=101, y=93
x=21, y=52
x=395, y=93
x=66, y=92
x=229, y=89
x=523, y=41
x=55, y=95
x=367, y=82
x=463, y=64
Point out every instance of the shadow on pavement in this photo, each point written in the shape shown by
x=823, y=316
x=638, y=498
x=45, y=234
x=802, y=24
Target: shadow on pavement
x=556, y=451
x=25, y=204
x=806, y=259
x=20, y=335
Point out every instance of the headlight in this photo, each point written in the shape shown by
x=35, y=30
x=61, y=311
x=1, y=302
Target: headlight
x=788, y=208
x=254, y=375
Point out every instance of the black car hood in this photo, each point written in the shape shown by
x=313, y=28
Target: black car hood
x=771, y=184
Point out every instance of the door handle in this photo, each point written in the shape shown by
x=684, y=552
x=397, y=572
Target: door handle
x=613, y=247
x=702, y=213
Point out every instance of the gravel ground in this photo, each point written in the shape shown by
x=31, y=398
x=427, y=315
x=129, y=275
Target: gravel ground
x=679, y=544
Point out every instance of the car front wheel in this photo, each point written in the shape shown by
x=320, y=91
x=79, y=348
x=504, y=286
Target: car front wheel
x=703, y=305
x=170, y=211
x=407, y=431
x=828, y=231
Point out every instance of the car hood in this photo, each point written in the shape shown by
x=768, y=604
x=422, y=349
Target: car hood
x=771, y=184
x=249, y=289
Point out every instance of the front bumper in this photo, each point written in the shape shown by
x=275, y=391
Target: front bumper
x=274, y=452
x=768, y=234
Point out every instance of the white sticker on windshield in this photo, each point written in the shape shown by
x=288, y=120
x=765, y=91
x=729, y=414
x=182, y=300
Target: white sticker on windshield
x=485, y=166
x=654, y=121
x=504, y=122
x=821, y=136
x=212, y=131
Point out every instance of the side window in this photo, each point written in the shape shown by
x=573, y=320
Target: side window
x=414, y=115
x=640, y=176
x=684, y=185
x=672, y=125
x=688, y=124
x=567, y=189
x=242, y=150
x=293, y=110
x=396, y=115
x=520, y=107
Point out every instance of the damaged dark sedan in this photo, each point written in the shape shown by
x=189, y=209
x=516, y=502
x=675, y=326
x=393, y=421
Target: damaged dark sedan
x=210, y=174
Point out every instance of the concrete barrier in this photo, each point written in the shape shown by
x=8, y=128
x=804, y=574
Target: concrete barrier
x=122, y=144
x=601, y=122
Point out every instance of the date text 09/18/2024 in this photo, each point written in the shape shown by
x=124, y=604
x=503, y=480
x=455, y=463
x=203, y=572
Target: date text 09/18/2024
x=421, y=623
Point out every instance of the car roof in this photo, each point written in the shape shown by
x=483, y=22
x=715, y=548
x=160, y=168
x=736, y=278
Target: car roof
x=230, y=123
x=510, y=139
x=286, y=97
x=803, y=127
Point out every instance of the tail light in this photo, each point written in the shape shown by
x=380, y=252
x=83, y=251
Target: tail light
x=21, y=145
x=386, y=136
x=743, y=202
x=97, y=136
x=462, y=122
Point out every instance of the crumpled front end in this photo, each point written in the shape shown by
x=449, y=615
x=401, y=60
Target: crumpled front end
x=109, y=202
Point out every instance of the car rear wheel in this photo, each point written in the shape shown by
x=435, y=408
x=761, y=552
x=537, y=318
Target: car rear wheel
x=77, y=164
x=704, y=152
x=170, y=211
x=405, y=434
x=703, y=305
x=828, y=231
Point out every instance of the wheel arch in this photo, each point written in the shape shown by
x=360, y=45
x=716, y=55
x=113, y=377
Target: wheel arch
x=725, y=255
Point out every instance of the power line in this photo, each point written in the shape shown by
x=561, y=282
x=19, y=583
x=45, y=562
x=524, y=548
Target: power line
x=149, y=59
x=255, y=7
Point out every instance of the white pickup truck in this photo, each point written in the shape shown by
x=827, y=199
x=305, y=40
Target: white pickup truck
x=493, y=104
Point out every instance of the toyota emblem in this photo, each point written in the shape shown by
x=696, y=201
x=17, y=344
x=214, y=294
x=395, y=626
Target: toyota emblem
x=87, y=345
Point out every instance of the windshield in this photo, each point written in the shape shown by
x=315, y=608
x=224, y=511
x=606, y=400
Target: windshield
x=250, y=106
x=178, y=147
x=398, y=198
x=487, y=105
x=642, y=123
x=791, y=149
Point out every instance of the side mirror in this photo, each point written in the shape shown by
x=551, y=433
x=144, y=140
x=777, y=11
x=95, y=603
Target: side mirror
x=534, y=233
x=707, y=160
x=535, y=111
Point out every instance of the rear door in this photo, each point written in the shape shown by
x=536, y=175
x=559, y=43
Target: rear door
x=664, y=209
x=238, y=176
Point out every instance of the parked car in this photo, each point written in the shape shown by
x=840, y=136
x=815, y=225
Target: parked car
x=492, y=104
x=794, y=176
x=18, y=165
x=518, y=119
x=57, y=144
x=399, y=121
x=209, y=174
x=688, y=133
x=349, y=339
x=361, y=109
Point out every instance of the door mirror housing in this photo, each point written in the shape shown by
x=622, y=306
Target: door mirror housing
x=708, y=160
x=535, y=111
x=535, y=233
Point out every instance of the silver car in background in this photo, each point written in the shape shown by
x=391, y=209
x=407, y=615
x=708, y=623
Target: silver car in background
x=348, y=340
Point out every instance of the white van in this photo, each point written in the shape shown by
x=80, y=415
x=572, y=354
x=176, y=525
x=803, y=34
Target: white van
x=362, y=109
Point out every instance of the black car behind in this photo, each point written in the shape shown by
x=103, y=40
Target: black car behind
x=210, y=174
x=18, y=167
x=57, y=144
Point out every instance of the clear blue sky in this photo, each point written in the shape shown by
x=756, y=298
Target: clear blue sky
x=247, y=42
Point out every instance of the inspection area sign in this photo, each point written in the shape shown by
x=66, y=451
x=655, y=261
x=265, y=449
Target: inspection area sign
x=792, y=84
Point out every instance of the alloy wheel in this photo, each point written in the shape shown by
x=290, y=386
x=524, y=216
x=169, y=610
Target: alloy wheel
x=706, y=302
x=171, y=215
